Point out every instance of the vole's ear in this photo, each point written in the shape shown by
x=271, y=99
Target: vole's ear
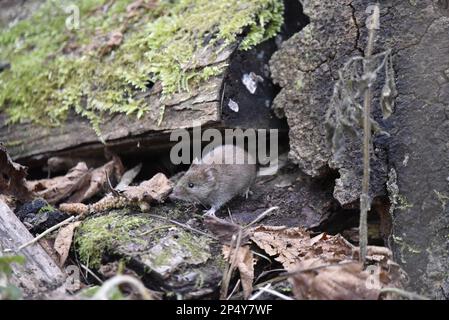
x=211, y=174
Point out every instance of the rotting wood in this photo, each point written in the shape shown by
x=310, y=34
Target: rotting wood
x=39, y=274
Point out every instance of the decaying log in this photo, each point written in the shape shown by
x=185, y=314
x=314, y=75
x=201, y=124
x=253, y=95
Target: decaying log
x=414, y=160
x=39, y=274
x=206, y=105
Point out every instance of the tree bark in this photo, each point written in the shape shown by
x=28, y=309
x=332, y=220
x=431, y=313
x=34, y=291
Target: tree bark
x=39, y=274
x=416, y=156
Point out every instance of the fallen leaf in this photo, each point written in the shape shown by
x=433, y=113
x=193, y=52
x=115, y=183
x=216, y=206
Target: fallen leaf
x=12, y=177
x=128, y=177
x=48, y=245
x=336, y=272
x=59, y=188
x=155, y=189
x=224, y=230
x=244, y=262
x=63, y=241
x=347, y=281
x=98, y=179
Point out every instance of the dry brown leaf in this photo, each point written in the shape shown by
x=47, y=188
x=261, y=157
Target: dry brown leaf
x=296, y=250
x=155, y=189
x=98, y=179
x=48, y=245
x=347, y=281
x=12, y=177
x=63, y=241
x=224, y=230
x=245, y=264
x=291, y=245
x=59, y=188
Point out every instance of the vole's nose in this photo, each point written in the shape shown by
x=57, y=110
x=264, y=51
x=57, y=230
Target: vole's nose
x=173, y=195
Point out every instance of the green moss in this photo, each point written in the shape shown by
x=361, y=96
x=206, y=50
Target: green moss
x=55, y=70
x=97, y=235
x=195, y=245
x=47, y=208
x=163, y=258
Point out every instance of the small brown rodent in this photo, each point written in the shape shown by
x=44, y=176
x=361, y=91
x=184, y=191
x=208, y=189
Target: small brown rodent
x=223, y=173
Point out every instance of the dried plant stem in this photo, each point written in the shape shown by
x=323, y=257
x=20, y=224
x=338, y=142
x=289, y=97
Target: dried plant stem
x=43, y=234
x=364, y=197
x=231, y=265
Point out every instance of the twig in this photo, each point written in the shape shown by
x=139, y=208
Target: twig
x=262, y=256
x=91, y=273
x=43, y=234
x=262, y=216
x=403, y=293
x=234, y=290
x=365, y=202
x=154, y=230
x=275, y=293
x=227, y=274
x=263, y=274
x=230, y=216
x=260, y=292
x=183, y=226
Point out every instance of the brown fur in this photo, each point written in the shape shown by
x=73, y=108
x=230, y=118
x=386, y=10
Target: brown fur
x=219, y=176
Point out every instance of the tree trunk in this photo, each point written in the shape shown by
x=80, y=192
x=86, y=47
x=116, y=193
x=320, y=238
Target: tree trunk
x=416, y=156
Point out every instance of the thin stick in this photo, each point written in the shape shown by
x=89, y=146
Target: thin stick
x=230, y=216
x=275, y=293
x=259, y=293
x=183, y=226
x=91, y=273
x=262, y=216
x=43, y=234
x=234, y=290
x=364, y=197
x=230, y=267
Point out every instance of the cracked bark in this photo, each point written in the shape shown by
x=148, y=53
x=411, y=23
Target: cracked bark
x=419, y=128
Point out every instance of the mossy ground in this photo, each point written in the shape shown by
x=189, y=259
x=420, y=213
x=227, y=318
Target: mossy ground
x=55, y=70
x=98, y=235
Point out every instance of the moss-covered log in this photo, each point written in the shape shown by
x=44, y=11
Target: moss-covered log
x=132, y=70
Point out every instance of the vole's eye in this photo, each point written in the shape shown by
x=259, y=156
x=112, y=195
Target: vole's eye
x=191, y=185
